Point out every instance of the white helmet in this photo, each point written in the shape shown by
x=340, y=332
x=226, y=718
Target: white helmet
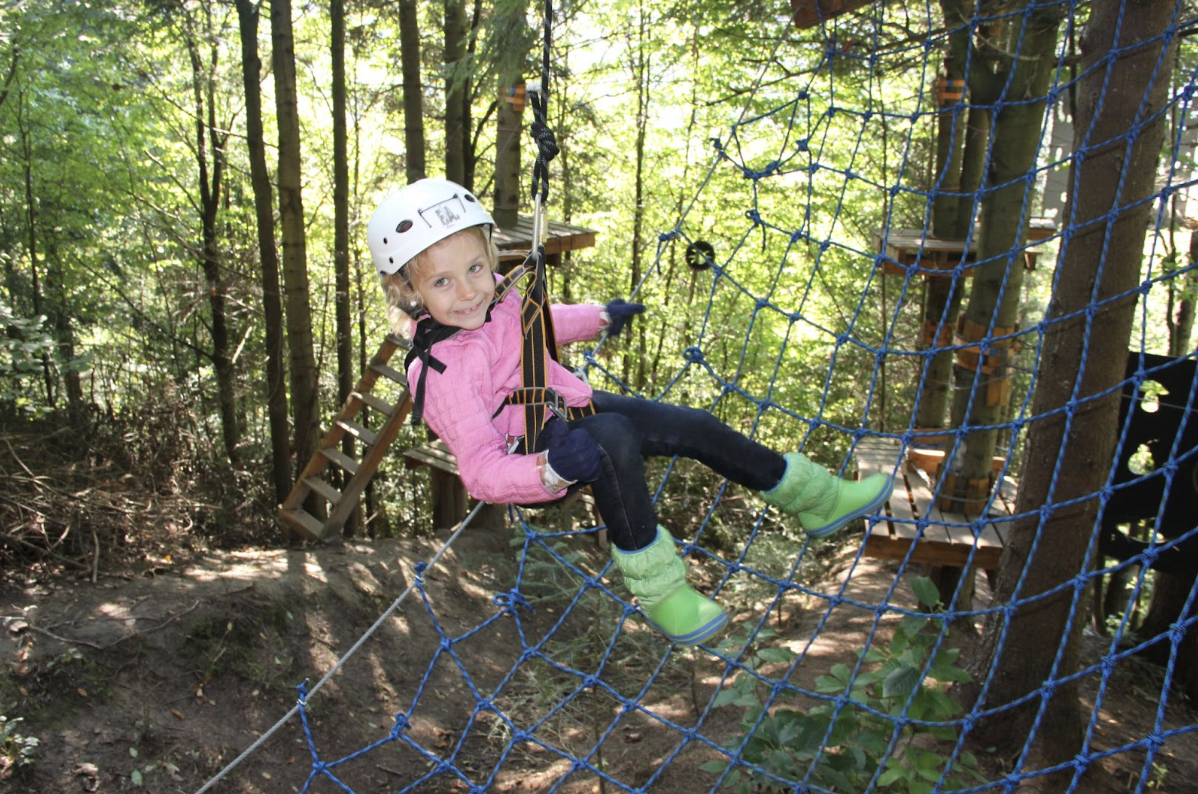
x=418, y=215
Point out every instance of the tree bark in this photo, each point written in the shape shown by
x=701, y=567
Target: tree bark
x=413, y=99
x=345, y=350
x=1072, y=443
x=1170, y=597
x=268, y=255
x=942, y=301
x=295, y=252
x=995, y=296
x=507, y=150
x=208, y=137
x=455, y=88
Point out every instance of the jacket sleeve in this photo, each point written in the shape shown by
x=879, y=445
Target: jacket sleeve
x=575, y=322
x=457, y=406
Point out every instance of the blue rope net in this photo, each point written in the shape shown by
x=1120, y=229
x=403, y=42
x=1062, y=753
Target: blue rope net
x=805, y=322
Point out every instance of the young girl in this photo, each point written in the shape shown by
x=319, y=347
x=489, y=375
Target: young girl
x=431, y=244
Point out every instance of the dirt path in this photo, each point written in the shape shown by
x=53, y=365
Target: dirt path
x=159, y=681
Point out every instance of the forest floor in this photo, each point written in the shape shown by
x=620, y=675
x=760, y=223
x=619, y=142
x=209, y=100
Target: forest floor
x=154, y=670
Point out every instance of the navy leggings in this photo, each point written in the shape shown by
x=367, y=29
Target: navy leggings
x=627, y=430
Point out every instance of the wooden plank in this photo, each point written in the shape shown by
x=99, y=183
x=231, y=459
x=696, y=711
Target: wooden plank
x=948, y=539
x=330, y=494
x=365, y=435
x=370, y=464
x=341, y=459
x=434, y=454
x=302, y=524
x=390, y=373
x=907, y=248
x=377, y=403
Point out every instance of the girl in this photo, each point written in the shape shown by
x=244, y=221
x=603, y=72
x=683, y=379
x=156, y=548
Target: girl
x=431, y=244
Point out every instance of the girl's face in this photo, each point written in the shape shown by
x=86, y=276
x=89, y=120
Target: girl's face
x=455, y=282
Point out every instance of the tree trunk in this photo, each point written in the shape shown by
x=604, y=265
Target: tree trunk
x=295, y=253
x=639, y=68
x=942, y=300
x=268, y=255
x=1182, y=290
x=994, y=299
x=507, y=149
x=211, y=180
x=455, y=88
x=1170, y=599
x=345, y=349
x=413, y=99
x=49, y=379
x=1071, y=451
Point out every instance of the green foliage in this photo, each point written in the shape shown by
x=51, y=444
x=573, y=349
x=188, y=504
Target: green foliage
x=23, y=342
x=876, y=726
x=16, y=749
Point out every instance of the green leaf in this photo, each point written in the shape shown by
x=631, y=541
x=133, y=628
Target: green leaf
x=894, y=772
x=873, y=742
x=901, y=682
x=925, y=590
x=827, y=685
x=136, y=777
x=784, y=655
x=715, y=767
x=872, y=654
x=913, y=624
x=725, y=697
x=841, y=672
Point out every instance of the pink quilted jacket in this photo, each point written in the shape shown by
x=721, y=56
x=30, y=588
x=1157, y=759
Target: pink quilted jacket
x=482, y=367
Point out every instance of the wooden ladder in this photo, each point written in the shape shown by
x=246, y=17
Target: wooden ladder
x=393, y=407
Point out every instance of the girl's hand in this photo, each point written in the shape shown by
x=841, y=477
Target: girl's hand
x=572, y=455
x=619, y=312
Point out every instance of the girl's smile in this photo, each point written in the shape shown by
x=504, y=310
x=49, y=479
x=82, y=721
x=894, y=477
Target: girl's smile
x=455, y=281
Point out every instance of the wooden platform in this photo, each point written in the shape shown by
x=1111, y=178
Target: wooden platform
x=907, y=248
x=948, y=539
x=514, y=242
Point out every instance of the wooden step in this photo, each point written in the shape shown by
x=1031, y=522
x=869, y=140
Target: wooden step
x=303, y=523
x=343, y=502
x=390, y=373
x=366, y=436
x=330, y=494
x=434, y=454
x=341, y=459
x=377, y=403
x=945, y=538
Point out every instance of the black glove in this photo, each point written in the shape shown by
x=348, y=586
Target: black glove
x=619, y=312
x=572, y=454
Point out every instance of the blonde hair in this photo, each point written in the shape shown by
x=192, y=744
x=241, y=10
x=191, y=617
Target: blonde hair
x=404, y=303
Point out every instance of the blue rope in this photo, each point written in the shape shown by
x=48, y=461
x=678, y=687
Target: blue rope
x=802, y=161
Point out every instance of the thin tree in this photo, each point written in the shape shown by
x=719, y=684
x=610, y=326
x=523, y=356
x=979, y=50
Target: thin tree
x=341, y=261
x=209, y=152
x=1017, y=90
x=268, y=255
x=291, y=216
x=1120, y=128
x=413, y=98
x=455, y=89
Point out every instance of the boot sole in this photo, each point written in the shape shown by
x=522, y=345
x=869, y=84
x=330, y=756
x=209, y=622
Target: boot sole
x=697, y=636
x=872, y=507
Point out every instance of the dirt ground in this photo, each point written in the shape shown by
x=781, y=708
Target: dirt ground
x=157, y=679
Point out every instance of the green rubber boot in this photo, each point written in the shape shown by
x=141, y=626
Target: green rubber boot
x=656, y=575
x=823, y=503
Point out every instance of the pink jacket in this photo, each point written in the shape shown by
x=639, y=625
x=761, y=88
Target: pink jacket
x=482, y=367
